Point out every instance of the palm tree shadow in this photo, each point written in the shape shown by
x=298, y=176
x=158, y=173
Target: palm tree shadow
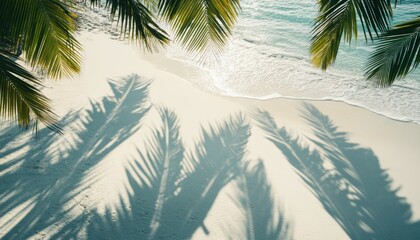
x=45, y=178
x=170, y=192
x=264, y=220
x=346, y=178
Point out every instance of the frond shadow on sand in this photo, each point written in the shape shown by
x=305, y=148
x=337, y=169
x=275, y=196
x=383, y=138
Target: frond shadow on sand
x=45, y=179
x=346, y=178
x=172, y=190
x=264, y=217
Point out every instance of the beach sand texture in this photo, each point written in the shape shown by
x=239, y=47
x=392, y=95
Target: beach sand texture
x=147, y=155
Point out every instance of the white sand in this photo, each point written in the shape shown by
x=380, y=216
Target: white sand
x=91, y=181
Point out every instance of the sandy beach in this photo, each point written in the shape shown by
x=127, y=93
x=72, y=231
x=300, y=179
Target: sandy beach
x=145, y=154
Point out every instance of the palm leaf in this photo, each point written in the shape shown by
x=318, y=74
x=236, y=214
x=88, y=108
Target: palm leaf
x=136, y=22
x=338, y=18
x=397, y=53
x=45, y=28
x=201, y=25
x=20, y=96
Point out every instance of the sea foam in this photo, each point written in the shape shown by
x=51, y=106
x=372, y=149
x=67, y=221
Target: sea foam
x=268, y=57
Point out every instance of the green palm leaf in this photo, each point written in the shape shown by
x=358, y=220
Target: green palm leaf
x=397, y=53
x=20, y=97
x=45, y=28
x=338, y=19
x=136, y=22
x=201, y=25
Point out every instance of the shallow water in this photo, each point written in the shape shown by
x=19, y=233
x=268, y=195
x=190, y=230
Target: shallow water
x=268, y=57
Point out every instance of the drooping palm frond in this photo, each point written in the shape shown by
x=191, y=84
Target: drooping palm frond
x=201, y=25
x=20, y=96
x=136, y=22
x=45, y=29
x=397, y=53
x=338, y=18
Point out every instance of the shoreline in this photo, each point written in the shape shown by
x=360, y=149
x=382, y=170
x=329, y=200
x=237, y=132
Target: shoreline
x=333, y=101
x=359, y=124
x=365, y=125
x=161, y=61
x=129, y=115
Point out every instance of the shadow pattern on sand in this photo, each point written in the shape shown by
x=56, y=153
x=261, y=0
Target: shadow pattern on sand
x=346, y=178
x=264, y=217
x=59, y=166
x=170, y=189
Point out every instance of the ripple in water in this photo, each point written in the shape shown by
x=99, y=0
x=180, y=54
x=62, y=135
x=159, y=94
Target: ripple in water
x=268, y=57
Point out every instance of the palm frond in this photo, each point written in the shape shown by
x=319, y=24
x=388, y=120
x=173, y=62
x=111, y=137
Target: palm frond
x=45, y=28
x=20, y=96
x=201, y=25
x=136, y=22
x=396, y=54
x=338, y=19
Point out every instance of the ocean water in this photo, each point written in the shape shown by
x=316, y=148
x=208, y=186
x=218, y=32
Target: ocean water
x=268, y=58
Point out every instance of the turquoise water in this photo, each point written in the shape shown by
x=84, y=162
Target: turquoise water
x=286, y=25
x=268, y=57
